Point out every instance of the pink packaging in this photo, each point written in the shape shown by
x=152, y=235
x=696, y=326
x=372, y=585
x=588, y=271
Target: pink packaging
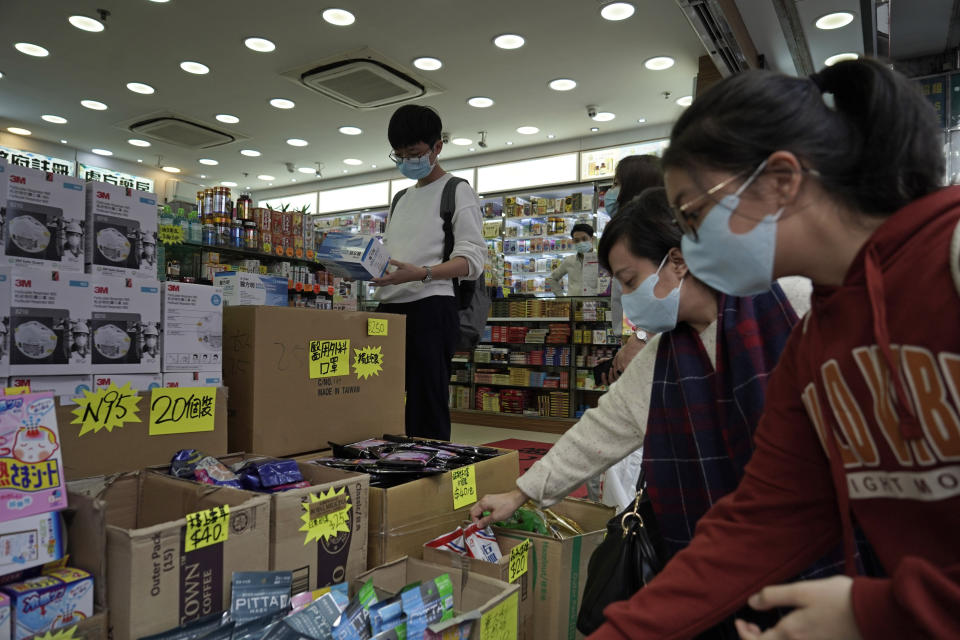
x=482, y=544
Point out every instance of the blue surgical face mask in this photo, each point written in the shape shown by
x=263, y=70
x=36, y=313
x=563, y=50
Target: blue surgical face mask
x=645, y=310
x=738, y=264
x=584, y=247
x=416, y=168
x=610, y=200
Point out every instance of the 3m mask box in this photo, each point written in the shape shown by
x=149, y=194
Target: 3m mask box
x=125, y=325
x=192, y=327
x=66, y=388
x=357, y=257
x=44, y=222
x=50, y=322
x=193, y=379
x=252, y=288
x=4, y=320
x=137, y=381
x=122, y=224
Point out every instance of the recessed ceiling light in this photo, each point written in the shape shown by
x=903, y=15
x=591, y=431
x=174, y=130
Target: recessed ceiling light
x=659, y=63
x=350, y=131
x=480, y=102
x=102, y=152
x=462, y=142
x=138, y=143
x=641, y=120
x=261, y=45
x=527, y=131
x=309, y=170
x=293, y=179
x=250, y=153
x=140, y=160
x=225, y=117
x=840, y=57
x=616, y=11
x=63, y=142
x=562, y=84
x=228, y=183
x=1, y=74
x=265, y=177
x=203, y=175
x=297, y=142
x=160, y=1
x=427, y=64
x=685, y=101
x=20, y=131
x=170, y=169
x=509, y=142
x=141, y=88
x=346, y=170
x=196, y=68
x=282, y=103
x=604, y=116
x=34, y=50
x=509, y=41
x=54, y=119
x=353, y=162
x=210, y=162
x=551, y=136
x=339, y=17
x=471, y=149
x=594, y=129
x=86, y=24
x=834, y=20
x=93, y=104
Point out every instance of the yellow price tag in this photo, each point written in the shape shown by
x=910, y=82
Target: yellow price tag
x=500, y=623
x=61, y=634
x=182, y=410
x=368, y=362
x=170, y=234
x=464, y=486
x=518, y=560
x=107, y=408
x=326, y=516
x=16, y=391
x=207, y=527
x=329, y=358
x=377, y=326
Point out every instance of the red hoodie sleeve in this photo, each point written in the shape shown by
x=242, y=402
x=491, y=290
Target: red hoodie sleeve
x=920, y=600
x=781, y=519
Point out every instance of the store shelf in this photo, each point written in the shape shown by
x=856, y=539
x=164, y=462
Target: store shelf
x=549, y=235
x=250, y=253
x=561, y=252
x=530, y=274
x=519, y=386
x=596, y=390
x=461, y=360
x=566, y=214
x=556, y=367
x=552, y=319
x=542, y=424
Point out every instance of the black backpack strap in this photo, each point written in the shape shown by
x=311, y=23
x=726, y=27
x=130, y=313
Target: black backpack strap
x=448, y=206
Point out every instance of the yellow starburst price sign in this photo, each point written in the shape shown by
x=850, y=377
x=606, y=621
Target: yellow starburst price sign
x=326, y=515
x=61, y=634
x=109, y=409
x=368, y=362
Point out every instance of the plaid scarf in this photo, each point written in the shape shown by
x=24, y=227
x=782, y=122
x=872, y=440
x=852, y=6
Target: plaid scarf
x=701, y=422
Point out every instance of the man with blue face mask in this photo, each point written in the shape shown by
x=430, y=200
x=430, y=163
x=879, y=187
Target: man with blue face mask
x=572, y=266
x=419, y=283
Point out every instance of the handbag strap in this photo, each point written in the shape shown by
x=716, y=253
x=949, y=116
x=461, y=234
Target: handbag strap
x=642, y=479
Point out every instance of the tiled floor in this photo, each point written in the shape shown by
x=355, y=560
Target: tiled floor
x=473, y=434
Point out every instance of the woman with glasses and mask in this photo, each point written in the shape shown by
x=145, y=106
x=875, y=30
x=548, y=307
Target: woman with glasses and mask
x=837, y=177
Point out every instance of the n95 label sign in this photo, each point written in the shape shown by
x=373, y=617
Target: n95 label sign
x=464, y=486
x=182, y=410
x=377, y=326
x=329, y=358
x=207, y=527
x=518, y=560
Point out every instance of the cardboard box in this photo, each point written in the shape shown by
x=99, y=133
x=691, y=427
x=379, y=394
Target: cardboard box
x=358, y=257
x=252, y=288
x=44, y=223
x=122, y=231
x=194, y=379
x=132, y=447
x=192, y=327
x=402, y=518
x=498, y=571
x=125, y=325
x=50, y=322
x=87, y=547
x=65, y=388
x=5, y=292
x=275, y=404
x=137, y=381
x=560, y=567
x=486, y=600
x=31, y=542
x=153, y=582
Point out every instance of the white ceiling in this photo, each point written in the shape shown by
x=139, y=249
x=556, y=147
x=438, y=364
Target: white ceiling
x=146, y=41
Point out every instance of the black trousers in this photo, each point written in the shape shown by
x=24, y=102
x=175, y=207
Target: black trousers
x=433, y=328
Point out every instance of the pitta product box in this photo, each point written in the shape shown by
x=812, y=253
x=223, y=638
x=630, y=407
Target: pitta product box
x=65, y=388
x=30, y=542
x=122, y=231
x=193, y=379
x=358, y=257
x=31, y=462
x=286, y=366
x=240, y=287
x=44, y=223
x=137, y=381
x=125, y=325
x=192, y=327
x=50, y=322
x=173, y=547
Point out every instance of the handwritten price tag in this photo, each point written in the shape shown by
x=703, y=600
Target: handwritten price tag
x=377, y=326
x=464, y=486
x=170, y=234
x=329, y=358
x=107, y=408
x=182, y=410
x=500, y=623
x=207, y=527
x=518, y=560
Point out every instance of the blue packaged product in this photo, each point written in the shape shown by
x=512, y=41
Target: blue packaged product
x=261, y=475
x=426, y=603
x=386, y=615
x=259, y=593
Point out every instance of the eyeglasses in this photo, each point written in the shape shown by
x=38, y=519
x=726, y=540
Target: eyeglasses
x=397, y=158
x=680, y=212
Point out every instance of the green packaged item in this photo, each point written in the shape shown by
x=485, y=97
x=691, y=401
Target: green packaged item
x=527, y=518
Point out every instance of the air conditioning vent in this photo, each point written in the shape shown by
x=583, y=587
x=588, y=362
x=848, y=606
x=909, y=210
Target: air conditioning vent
x=181, y=133
x=362, y=84
x=718, y=35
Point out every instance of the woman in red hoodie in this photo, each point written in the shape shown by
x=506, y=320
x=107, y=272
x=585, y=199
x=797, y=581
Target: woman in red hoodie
x=838, y=178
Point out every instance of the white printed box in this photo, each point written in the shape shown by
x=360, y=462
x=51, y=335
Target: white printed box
x=192, y=327
x=125, y=325
x=122, y=224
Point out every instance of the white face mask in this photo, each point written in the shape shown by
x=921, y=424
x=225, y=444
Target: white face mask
x=738, y=264
x=646, y=310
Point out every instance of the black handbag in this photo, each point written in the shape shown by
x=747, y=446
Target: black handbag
x=631, y=554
